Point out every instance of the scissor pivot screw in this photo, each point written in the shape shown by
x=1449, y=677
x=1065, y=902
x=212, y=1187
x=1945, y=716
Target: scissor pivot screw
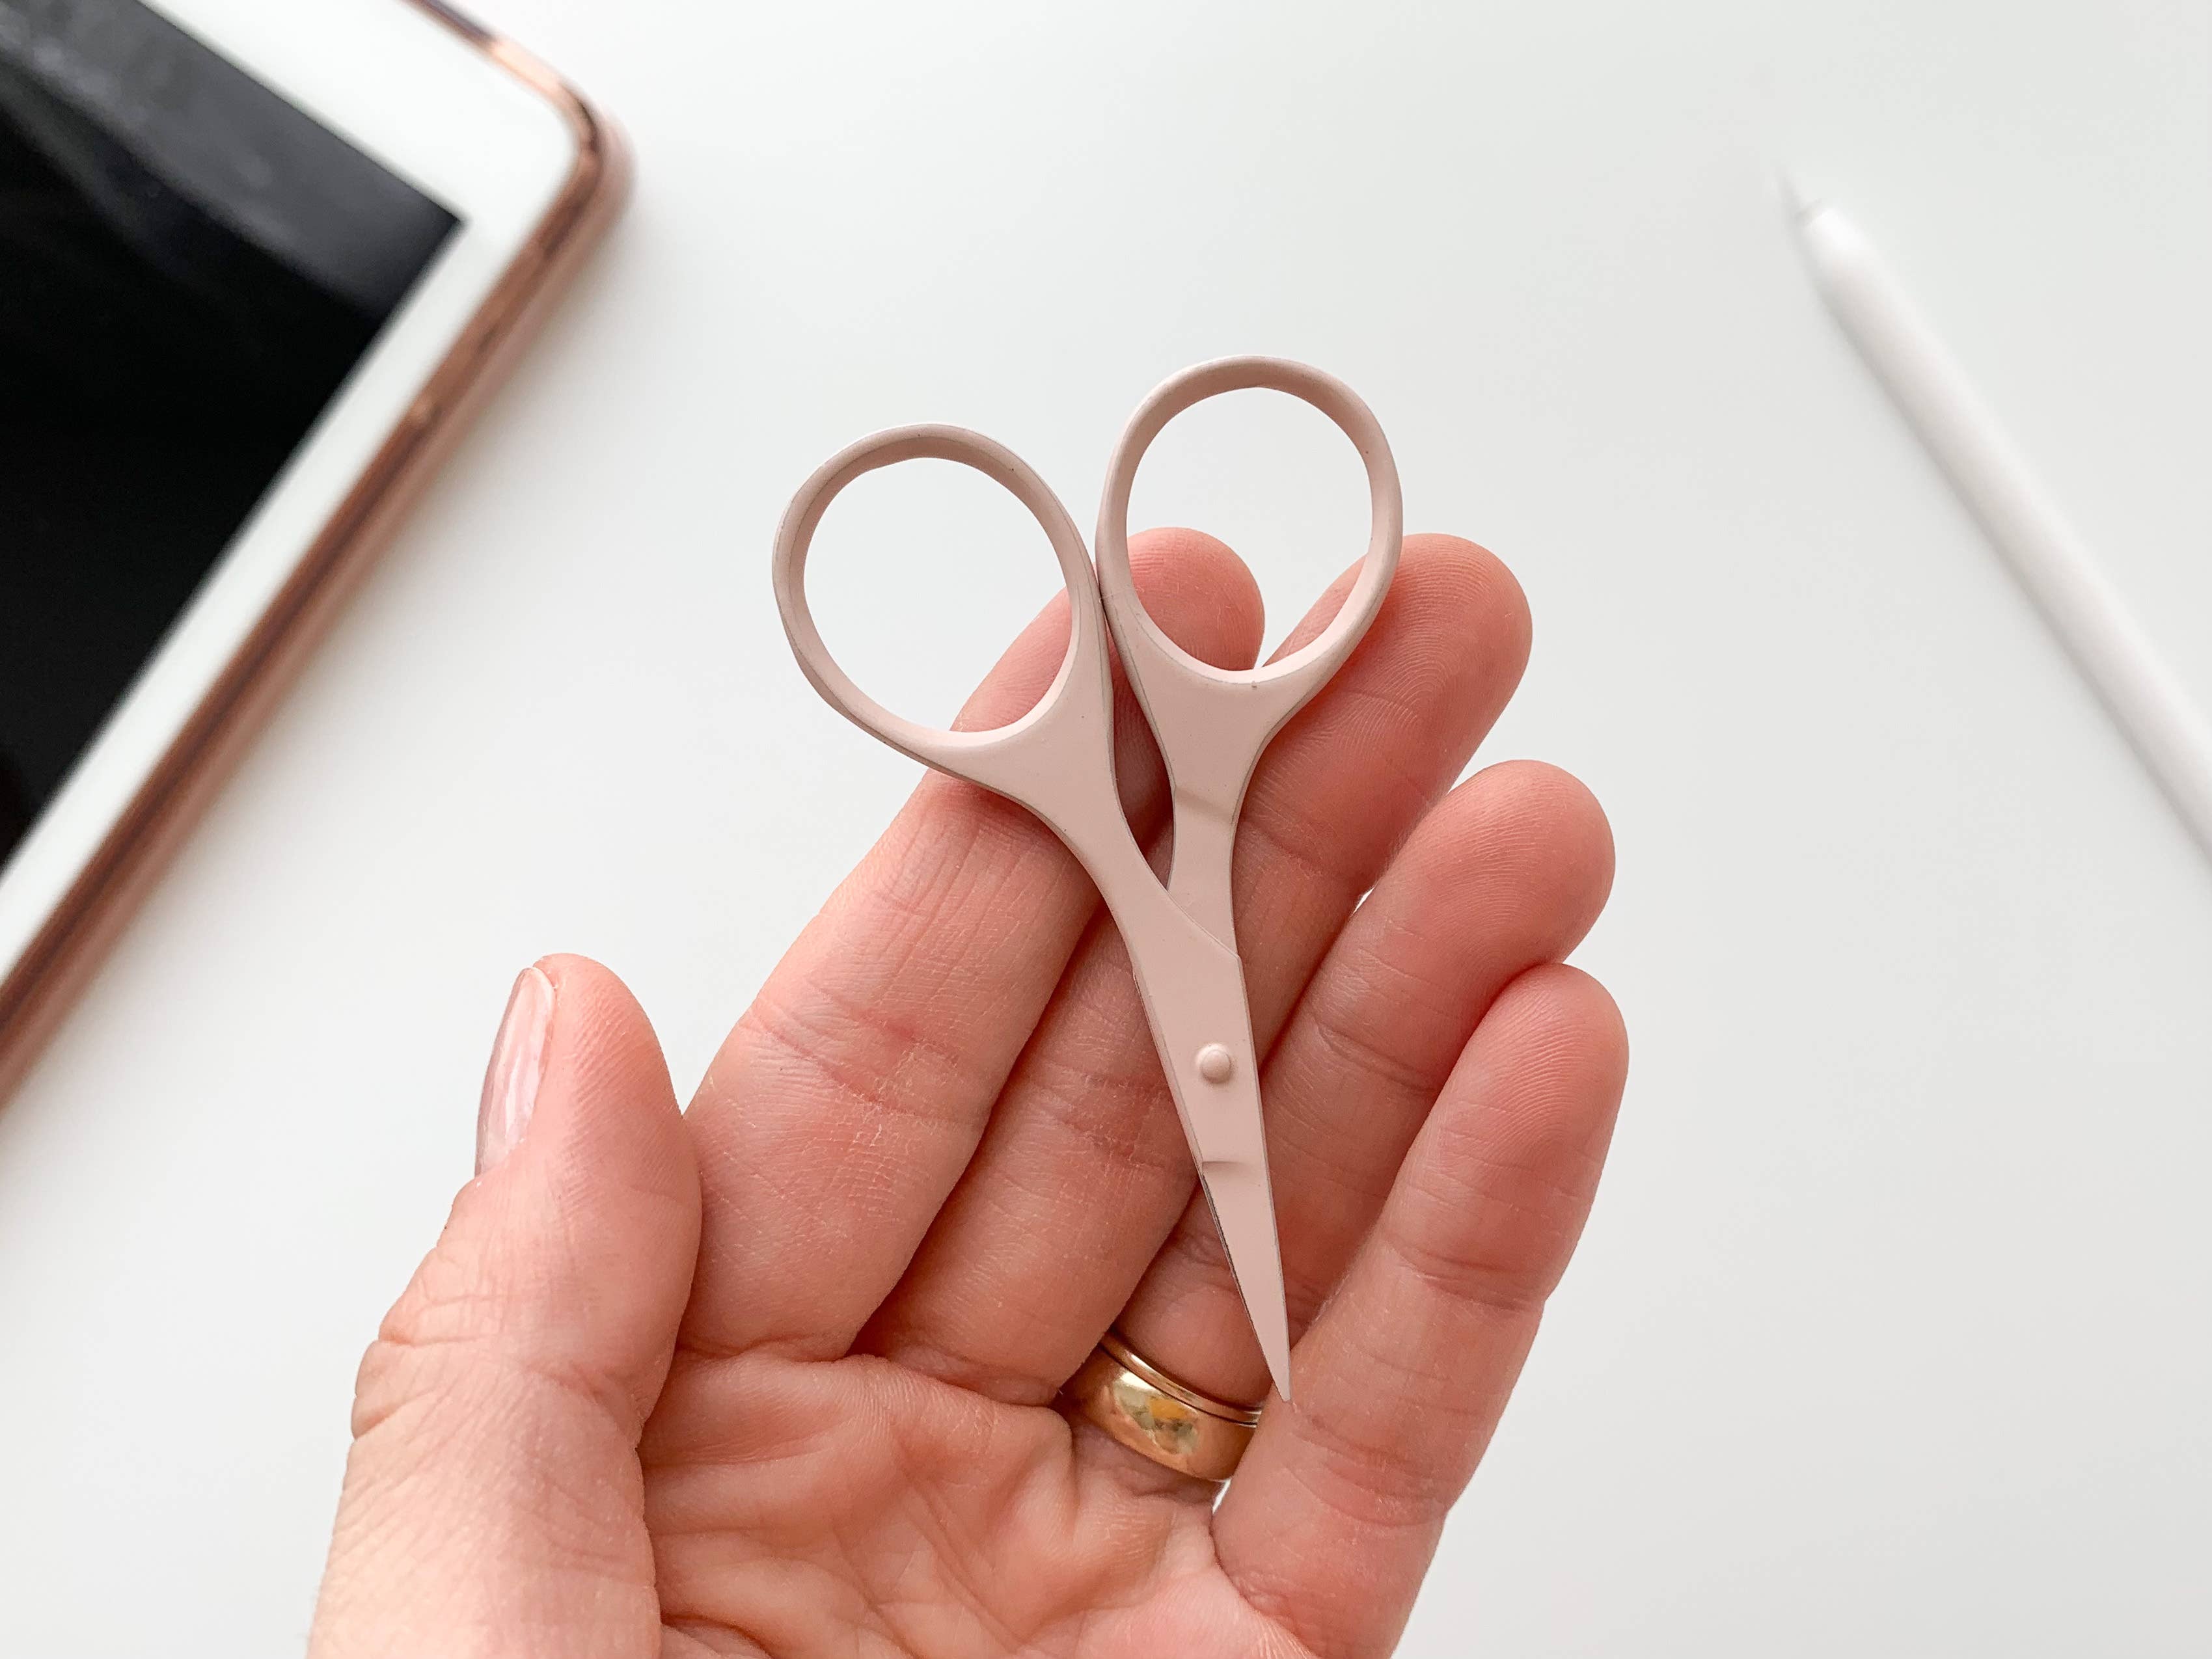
x=1216, y=1064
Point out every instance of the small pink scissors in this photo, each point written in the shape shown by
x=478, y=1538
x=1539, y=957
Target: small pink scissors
x=1210, y=724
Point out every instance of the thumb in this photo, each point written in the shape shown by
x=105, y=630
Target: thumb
x=492, y=1499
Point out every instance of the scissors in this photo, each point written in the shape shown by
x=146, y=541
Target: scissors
x=1211, y=725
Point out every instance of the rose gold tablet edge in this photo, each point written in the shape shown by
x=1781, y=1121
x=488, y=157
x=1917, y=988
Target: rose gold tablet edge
x=66, y=950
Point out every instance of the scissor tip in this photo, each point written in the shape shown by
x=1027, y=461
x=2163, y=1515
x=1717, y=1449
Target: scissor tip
x=1278, y=1366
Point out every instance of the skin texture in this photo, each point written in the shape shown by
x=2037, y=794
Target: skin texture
x=774, y=1375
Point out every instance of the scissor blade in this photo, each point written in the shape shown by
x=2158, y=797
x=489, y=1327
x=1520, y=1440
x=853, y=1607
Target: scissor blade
x=1244, y=1215
x=1193, y=987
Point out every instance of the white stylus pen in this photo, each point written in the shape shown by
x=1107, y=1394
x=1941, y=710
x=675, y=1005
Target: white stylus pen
x=2046, y=557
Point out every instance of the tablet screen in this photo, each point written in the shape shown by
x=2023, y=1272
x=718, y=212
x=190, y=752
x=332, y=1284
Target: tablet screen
x=190, y=268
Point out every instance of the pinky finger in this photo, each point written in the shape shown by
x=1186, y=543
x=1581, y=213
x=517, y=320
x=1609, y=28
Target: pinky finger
x=1333, y=1515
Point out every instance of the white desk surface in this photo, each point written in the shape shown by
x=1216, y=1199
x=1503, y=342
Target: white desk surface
x=1892, y=1333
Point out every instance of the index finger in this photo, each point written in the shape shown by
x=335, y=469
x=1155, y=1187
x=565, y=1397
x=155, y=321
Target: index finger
x=844, y=1105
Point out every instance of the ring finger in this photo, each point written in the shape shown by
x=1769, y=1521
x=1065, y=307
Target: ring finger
x=1508, y=873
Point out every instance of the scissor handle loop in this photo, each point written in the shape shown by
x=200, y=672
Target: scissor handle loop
x=1302, y=673
x=980, y=756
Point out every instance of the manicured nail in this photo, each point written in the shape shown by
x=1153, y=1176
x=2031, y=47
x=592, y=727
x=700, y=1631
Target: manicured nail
x=517, y=1058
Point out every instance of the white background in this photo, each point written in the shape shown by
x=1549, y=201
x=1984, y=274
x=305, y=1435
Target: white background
x=1892, y=1333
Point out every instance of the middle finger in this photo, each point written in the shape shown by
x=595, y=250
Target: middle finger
x=1082, y=1170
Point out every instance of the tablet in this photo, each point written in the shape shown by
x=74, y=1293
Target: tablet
x=257, y=262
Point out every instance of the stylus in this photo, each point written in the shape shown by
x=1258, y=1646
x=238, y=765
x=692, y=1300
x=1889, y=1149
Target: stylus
x=2044, y=553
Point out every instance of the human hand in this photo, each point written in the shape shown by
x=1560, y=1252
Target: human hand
x=776, y=1377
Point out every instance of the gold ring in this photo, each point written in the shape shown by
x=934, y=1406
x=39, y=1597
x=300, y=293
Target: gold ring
x=1156, y=1417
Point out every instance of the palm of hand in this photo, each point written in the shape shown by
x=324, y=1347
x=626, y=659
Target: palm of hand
x=930, y=1521
x=775, y=1377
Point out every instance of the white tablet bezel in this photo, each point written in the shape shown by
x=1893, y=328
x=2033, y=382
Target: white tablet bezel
x=458, y=115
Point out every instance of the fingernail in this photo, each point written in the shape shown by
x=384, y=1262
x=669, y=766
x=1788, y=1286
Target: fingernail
x=517, y=1058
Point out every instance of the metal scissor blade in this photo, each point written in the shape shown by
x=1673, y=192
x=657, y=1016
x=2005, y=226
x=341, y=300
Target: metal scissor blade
x=1244, y=1215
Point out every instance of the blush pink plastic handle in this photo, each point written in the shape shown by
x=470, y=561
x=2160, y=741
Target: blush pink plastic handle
x=1058, y=759
x=1213, y=724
